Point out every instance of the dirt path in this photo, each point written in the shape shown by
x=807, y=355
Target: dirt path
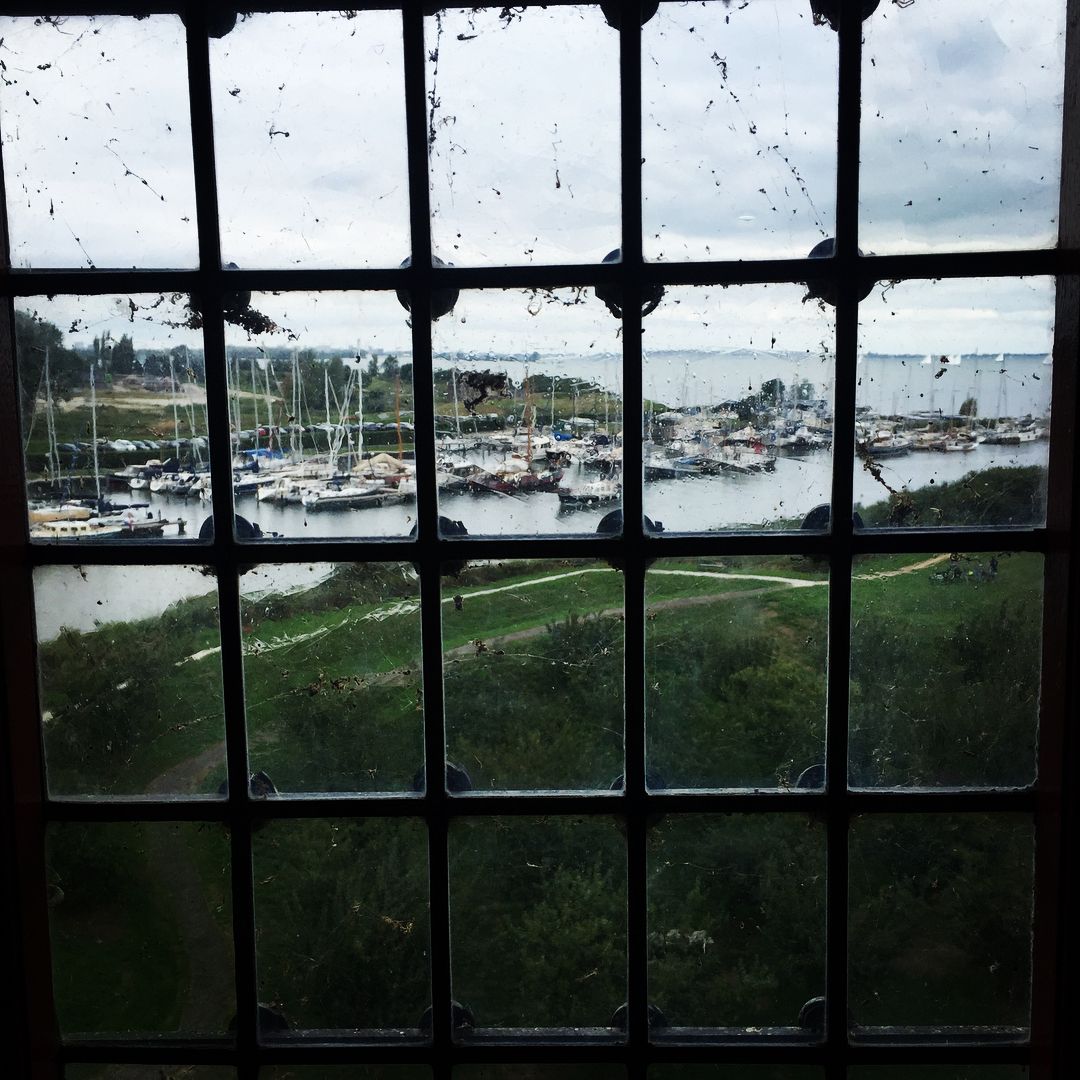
x=209, y=1000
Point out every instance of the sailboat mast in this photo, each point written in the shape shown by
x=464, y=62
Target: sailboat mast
x=175, y=414
x=397, y=412
x=93, y=431
x=50, y=425
x=457, y=415
x=529, y=421
x=255, y=404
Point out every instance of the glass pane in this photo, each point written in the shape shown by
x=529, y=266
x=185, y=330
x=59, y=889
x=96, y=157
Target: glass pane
x=112, y=393
x=524, y=156
x=953, y=402
x=332, y=675
x=945, y=658
x=738, y=408
x=141, y=928
x=547, y=896
x=533, y=674
x=735, y=665
x=309, y=137
x=940, y=920
x=961, y=132
x=739, y=132
x=529, y=415
x=97, y=142
x=341, y=923
x=320, y=406
x=130, y=677
x=736, y=919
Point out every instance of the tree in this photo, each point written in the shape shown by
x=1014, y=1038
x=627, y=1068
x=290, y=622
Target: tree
x=122, y=360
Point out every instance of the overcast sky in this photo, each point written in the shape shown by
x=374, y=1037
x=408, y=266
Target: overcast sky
x=961, y=150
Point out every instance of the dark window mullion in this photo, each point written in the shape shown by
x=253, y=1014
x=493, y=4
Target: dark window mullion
x=415, y=57
x=847, y=317
x=633, y=576
x=243, y=901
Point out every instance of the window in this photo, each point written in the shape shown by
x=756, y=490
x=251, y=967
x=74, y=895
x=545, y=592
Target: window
x=455, y=764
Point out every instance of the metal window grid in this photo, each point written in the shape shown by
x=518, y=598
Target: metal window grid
x=27, y=807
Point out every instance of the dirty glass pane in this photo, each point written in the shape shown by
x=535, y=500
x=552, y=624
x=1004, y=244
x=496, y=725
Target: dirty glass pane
x=939, y=929
x=961, y=125
x=533, y=674
x=332, y=675
x=738, y=138
x=309, y=138
x=547, y=897
x=529, y=412
x=129, y=661
x=141, y=928
x=945, y=661
x=321, y=414
x=523, y=135
x=97, y=142
x=341, y=924
x=112, y=394
x=953, y=402
x=735, y=665
x=736, y=919
x=738, y=388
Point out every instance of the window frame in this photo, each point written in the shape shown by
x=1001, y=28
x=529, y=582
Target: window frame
x=1052, y=801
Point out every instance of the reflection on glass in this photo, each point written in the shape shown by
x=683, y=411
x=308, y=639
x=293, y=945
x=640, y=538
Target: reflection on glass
x=735, y=672
x=321, y=414
x=945, y=653
x=524, y=157
x=141, y=928
x=738, y=408
x=961, y=125
x=332, y=675
x=309, y=137
x=939, y=925
x=953, y=402
x=538, y=920
x=112, y=394
x=97, y=142
x=341, y=922
x=528, y=411
x=533, y=674
x=739, y=108
x=736, y=919
x=130, y=676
